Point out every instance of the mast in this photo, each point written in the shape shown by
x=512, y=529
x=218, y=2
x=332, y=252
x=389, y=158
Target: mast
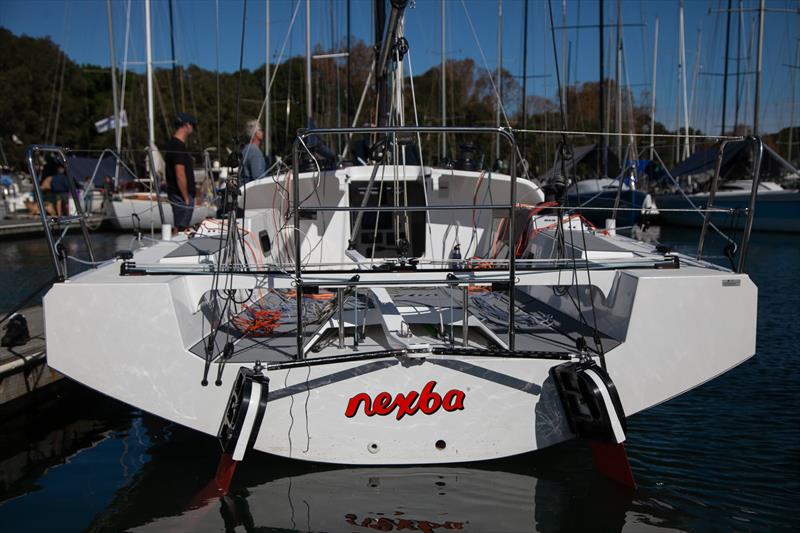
x=738, y=66
x=683, y=83
x=175, y=79
x=268, y=105
x=749, y=64
x=216, y=51
x=725, y=69
x=601, y=107
x=695, y=76
x=524, y=75
x=385, y=43
x=758, y=65
x=380, y=76
x=151, y=133
x=117, y=126
x=565, y=56
x=678, y=116
x=397, y=84
x=653, y=95
x=349, y=82
x=794, y=92
x=309, y=107
x=444, y=80
x=499, y=95
x=125, y=67
x=618, y=80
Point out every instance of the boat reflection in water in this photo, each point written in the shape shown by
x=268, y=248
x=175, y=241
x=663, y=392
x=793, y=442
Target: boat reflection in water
x=48, y=431
x=427, y=499
x=141, y=473
x=532, y=492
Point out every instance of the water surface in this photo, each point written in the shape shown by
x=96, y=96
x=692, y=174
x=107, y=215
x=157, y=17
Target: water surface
x=725, y=456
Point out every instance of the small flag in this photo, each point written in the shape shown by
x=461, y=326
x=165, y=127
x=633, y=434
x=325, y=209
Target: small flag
x=107, y=124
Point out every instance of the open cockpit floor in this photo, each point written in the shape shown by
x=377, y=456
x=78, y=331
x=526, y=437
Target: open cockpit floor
x=266, y=328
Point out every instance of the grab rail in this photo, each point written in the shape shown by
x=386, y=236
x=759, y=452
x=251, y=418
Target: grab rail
x=47, y=222
x=758, y=149
x=711, y=196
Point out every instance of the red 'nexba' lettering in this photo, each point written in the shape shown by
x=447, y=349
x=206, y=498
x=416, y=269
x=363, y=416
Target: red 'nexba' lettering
x=402, y=524
x=428, y=401
x=453, y=400
x=355, y=401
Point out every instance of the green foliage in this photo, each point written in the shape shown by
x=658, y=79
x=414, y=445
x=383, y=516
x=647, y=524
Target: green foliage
x=50, y=99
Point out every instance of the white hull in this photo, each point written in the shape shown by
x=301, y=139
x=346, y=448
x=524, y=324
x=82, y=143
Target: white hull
x=674, y=329
x=141, y=211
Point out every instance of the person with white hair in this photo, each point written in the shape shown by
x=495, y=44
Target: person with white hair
x=254, y=165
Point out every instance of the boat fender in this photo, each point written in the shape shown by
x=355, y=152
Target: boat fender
x=17, y=332
x=590, y=401
x=244, y=412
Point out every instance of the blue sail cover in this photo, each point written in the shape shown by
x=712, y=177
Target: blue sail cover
x=81, y=168
x=590, y=156
x=737, y=162
x=705, y=160
x=639, y=164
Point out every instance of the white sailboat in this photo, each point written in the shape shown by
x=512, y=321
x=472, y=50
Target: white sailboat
x=391, y=366
x=147, y=209
x=393, y=313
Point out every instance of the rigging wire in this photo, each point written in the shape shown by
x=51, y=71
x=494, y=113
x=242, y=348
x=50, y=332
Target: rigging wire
x=419, y=144
x=489, y=75
x=565, y=149
x=229, y=246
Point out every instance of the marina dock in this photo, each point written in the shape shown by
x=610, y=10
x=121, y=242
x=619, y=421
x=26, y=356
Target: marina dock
x=17, y=227
x=23, y=369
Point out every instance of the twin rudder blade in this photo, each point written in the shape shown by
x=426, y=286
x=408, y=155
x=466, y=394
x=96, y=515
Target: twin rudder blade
x=594, y=412
x=244, y=412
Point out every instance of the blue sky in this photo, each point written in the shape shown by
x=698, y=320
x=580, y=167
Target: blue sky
x=80, y=27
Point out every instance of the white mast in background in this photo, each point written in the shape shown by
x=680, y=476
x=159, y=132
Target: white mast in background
x=444, y=81
x=309, y=113
x=117, y=126
x=683, y=83
x=499, y=95
x=151, y=133
x=653, y=95
x=267, y=135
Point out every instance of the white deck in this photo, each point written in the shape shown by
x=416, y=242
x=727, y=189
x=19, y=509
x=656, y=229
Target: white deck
x=665, y=330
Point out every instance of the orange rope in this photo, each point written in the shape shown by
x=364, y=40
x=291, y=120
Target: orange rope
x=323, y=296
x=257, y=322
x=478, y=288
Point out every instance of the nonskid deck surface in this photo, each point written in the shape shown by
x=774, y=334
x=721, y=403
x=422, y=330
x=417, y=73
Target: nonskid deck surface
x=435, y=314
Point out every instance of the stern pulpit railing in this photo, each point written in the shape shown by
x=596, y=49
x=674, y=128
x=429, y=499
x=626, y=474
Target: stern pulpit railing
x=391, y=134
x=54, y=224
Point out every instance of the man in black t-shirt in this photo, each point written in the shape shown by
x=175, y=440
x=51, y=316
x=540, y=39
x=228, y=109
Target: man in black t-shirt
x=179, y=172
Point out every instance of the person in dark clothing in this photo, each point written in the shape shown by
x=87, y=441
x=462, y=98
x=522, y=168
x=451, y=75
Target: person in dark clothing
x=179, y=172
x=59, y=186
